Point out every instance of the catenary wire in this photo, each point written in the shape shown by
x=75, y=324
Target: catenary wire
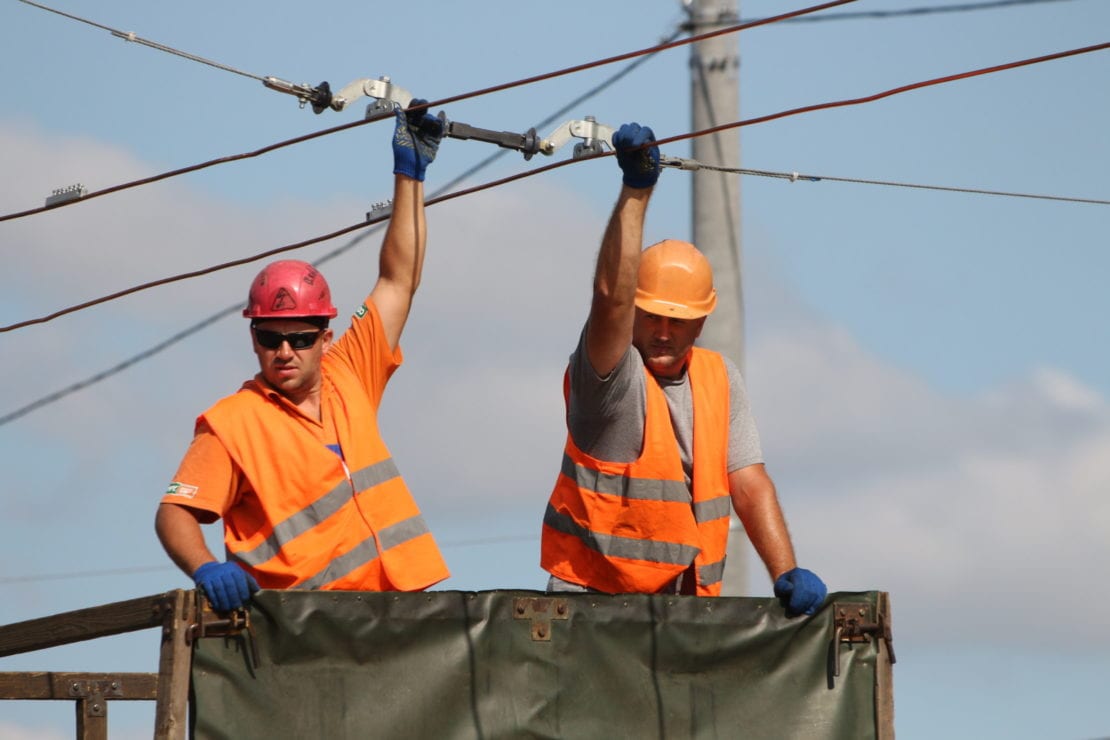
x=208, y=321
x=288, y=247
x=129, y=36
x=436, y=103
x=891, y=92
x=547, y=168
x=688, y=164
x=926, y=10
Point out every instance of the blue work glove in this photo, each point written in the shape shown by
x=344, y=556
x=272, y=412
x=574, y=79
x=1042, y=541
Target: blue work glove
x=640, y=166
x=226, y=585
x=800, y=591
x=416, y=138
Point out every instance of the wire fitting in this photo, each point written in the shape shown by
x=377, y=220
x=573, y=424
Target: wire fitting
x=680, y=163
x=379, y=211
x=66, y=194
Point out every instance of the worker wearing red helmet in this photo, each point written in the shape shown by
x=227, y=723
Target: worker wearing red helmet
x=293, y=462
x=660, y=440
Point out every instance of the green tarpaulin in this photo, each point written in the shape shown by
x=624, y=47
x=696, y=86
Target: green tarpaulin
x=522, y=664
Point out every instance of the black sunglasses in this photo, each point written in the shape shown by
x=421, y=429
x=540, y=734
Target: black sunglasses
x=297, y=339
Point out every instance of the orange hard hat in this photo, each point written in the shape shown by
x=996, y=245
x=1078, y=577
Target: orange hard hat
x=675, y=280
x=289, y=289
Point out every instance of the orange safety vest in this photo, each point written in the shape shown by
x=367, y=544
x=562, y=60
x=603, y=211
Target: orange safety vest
x=315, y=522
x=631, y=527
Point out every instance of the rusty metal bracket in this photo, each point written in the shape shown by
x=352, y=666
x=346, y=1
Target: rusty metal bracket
x=540, y=611
x=228, y=624
x=96, y=694
x=855, y=622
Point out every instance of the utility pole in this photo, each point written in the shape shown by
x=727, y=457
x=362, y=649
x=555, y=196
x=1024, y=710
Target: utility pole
x=715, y=99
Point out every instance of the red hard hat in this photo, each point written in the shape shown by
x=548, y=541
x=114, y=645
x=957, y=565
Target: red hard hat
x=289, y=289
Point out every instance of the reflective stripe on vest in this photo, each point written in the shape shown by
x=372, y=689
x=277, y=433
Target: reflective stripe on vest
x=613, y=546
x=367, y=551
x=714, y=508
x=711, y=574
x=316, y=512
x=611, y=484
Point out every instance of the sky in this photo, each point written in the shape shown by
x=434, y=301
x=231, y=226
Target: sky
x=928, y=369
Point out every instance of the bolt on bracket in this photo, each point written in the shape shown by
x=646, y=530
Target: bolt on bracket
x=540, y=611
x=95, y=695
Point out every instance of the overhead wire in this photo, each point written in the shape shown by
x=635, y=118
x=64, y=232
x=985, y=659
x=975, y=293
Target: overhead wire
x=432, y=104
x=919, y=11
x=212, y=319
x=679, y=163
x=891, y=92
x=547, y=168
x=131, y=37
x=688, y=164
x=806, y=15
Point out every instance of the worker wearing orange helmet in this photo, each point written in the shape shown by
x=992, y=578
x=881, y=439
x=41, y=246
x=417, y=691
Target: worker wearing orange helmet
x=660, y=440
x=293, y=462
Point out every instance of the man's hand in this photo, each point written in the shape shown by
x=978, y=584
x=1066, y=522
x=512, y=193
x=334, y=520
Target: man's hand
x=226, y=585
x=416, y=137
x=800, y=591
x=640, y=165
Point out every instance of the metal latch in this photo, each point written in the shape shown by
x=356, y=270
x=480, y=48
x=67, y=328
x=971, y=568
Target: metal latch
x=541, y=611
x=856, y=622
x=236, y=623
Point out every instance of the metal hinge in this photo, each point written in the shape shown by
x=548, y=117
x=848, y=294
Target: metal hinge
x=541, y=611
x=856, y=622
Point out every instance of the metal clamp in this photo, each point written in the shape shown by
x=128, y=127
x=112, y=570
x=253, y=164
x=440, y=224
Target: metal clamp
x=235, y=624
x=855, y=622
x=386, y=93
x=596, y=137
x=540, y=611
x=66, y=194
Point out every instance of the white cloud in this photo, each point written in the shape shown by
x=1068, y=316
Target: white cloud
x=977, y=514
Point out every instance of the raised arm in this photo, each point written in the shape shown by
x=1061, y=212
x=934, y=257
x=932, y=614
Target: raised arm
x=609, y=329
x=416, y=138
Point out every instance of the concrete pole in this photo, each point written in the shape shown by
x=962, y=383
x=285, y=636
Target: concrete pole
x=715, y=99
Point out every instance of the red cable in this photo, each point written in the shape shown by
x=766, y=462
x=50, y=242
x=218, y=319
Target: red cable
x=546, y=168
x=434, y=103
x=887, y=93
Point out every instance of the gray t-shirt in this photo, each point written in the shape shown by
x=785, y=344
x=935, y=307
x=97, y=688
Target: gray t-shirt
x=606, y=415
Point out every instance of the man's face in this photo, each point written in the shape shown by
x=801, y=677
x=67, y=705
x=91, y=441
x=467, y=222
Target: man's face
x=664, y=342
x=294, y=372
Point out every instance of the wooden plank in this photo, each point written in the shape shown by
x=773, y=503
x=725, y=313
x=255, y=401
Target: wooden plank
x=92, y=719
x=884, y=677
x=64, y=685
x=84, y=624
x=175, y=668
